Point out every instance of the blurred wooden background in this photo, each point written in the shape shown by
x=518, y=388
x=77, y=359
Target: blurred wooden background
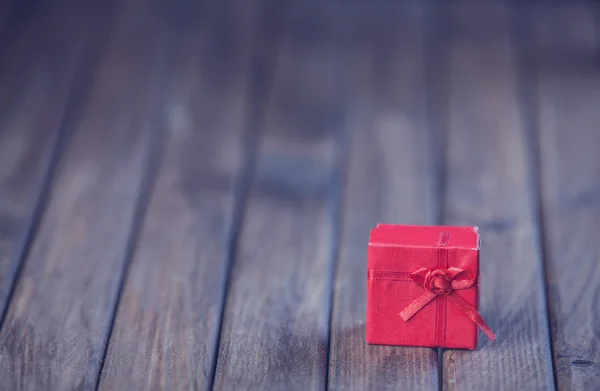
x=187, y=188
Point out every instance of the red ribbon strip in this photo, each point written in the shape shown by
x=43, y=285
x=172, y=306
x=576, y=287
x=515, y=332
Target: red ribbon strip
x=445, y=282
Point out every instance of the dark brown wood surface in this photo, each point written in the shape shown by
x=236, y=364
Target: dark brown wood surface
x=187, y=189
x=275, y=328
x=166, y=329
x=383, y=58
x=58, y=321
x=568, y=90
x=37, y=70
x=489, y=185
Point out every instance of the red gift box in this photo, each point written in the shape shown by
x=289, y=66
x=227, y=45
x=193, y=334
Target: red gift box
x=423, y=287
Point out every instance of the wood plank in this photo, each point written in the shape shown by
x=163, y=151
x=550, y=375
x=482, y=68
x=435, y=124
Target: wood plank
x=275, y=326
x=489, y=185
x=389, y=181
x=38, y=71
x=565, y=56
x=58, y=321
x=166, y=329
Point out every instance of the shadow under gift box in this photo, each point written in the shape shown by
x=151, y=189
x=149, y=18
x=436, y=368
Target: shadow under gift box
x=395, y=253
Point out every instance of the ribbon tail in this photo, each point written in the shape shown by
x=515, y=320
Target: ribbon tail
x=416, y=305
x=473, y=314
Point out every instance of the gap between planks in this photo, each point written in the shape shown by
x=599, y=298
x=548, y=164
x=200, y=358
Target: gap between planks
x=90, y=49
x=522, y=38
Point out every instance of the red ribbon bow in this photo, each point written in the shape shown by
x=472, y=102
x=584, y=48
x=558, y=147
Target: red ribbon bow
x=445, y=282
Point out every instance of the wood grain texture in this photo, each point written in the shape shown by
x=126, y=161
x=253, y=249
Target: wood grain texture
x=166, y=329
x=275, y=326
x=388, y=181
x=489, y=185
x=566, y=61
x=38, y=69
x=58, y=321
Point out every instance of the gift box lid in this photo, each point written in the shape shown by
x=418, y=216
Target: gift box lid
x=424, y=236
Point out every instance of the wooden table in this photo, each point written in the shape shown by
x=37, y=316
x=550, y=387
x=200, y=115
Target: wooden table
x=187, y=189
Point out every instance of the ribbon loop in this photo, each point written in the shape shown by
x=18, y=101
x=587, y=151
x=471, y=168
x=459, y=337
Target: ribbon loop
x=445, y=282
